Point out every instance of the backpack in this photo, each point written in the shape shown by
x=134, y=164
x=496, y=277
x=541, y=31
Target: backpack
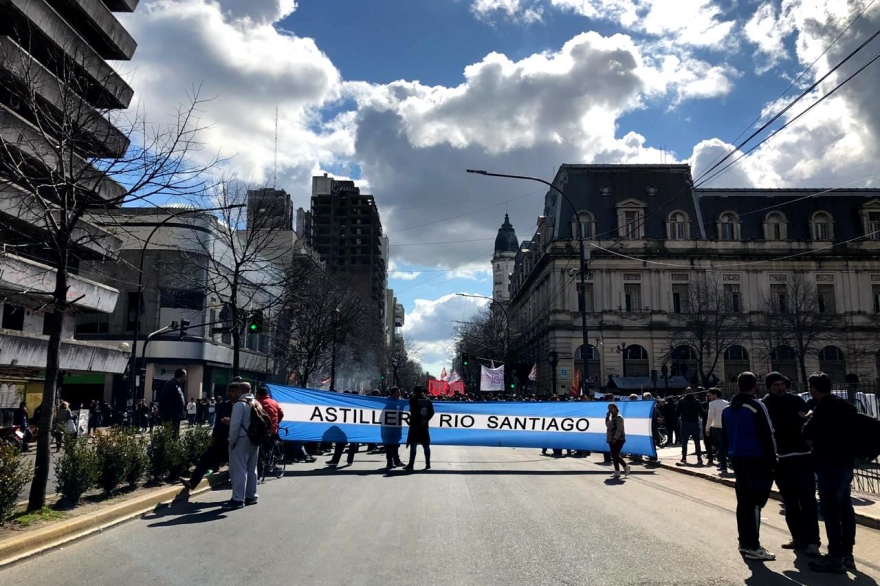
x=865, y=437
x=259, y=430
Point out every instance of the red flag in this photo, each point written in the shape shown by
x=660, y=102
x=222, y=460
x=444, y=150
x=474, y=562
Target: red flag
x=437, y=387
x=576, y=385
x=457, y=388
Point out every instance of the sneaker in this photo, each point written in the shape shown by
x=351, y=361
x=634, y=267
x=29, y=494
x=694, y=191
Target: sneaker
x=793, y=544
x=626, y=470
x=186, y=484
x=311, y=459
x=829, y=565
x=849, y=561
x=812, y=550
x=699, y=461
x=759, y=554
x=249, y=502
x=723, y=471
x=683, y=461
x=615, y=475
x=408, y=467
x=233, y=505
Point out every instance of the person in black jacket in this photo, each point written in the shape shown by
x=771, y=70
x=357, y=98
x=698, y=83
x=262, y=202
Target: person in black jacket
x=689, y=413
x=421, y=410
x=749, y=439
x=794, y=474
x=828, y=431
x=218, y=452
x=172, y=403
x=670, y=420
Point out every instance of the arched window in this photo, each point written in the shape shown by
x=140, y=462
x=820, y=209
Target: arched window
x=583, y=226
x=728, y=226
x=635, y=361
x=775, y=226
x=833, y=363
x=822, y=227
x=783, y=359
x=593, y=364
x=678, y=226
x=736, y=360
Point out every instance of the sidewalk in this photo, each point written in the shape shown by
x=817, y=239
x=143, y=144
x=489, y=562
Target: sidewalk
x=867, y=506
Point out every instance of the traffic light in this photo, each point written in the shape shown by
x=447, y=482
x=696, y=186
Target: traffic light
x=464, y=359
x=184, y=323
x=255, y=322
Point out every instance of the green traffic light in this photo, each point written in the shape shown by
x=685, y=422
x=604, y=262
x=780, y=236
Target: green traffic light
x=253, y=327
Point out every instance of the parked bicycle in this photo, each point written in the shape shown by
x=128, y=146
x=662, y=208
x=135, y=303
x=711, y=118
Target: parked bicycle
x=272, y=458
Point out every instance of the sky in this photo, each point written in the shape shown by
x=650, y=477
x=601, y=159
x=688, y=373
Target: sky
x=404, y=95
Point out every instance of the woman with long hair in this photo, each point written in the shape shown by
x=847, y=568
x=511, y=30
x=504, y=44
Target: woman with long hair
x=616, y=438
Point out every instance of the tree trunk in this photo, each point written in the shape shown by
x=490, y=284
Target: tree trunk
x=237, y=325
x=42, y=465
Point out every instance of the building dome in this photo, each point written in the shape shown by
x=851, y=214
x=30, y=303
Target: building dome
x=506, y=241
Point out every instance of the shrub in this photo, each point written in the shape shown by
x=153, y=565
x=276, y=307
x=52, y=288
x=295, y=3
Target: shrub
x=138, y=462
x=165, y=453
x=122, y=458
x=14, y=475
x=77, y=469
x=195, y=442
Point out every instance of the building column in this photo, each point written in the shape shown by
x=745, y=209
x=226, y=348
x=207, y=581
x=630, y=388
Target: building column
x=195, y=377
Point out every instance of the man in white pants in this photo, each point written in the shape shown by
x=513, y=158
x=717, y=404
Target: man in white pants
x=243, y=453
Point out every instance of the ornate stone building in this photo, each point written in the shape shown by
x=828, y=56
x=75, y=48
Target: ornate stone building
x=770, y=257
x=506, y=248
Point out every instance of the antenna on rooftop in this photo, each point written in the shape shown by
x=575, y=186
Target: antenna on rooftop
x=275, y=168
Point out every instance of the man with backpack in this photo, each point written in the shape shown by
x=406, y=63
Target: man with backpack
x=249, y=428
x=830, y=430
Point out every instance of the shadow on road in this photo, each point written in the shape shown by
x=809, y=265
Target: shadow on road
x=345, y=471
x=763, y=575
x=187, y=513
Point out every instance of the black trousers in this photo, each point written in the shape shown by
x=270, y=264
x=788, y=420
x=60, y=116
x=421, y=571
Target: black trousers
x=413, y=448
x=754, y=480
x=672, y=433
x=214, y=457
x=340, y=447
x=392, y=455
x=797, y=485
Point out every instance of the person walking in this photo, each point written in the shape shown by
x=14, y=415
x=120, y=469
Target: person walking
x=421, y=410
x=20, y=418
x=391, y=436
x=748, y=433
x=243, y=454
x=616, y=437
x=218, y=452
x=94, y=417
x=172, y=402
x=63, y=424
x=794, y=473
x=192, y=410
x=689, y=412
x=829, y=430
x=714, y=426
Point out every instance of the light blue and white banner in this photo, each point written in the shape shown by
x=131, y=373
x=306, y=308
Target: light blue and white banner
x=319, y=416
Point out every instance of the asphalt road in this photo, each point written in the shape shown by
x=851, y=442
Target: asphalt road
x=482, y=516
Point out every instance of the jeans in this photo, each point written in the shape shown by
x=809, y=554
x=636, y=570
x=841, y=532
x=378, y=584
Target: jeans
x=211, y=417
x=672, y=433
x=412, y=454
x=720, y=446
x=615, y=454
x=690, y=429
x=837, y=509
x=191, y=419
x=392, y=455
x=340, y=447
x=754, y=480
x=797, y=485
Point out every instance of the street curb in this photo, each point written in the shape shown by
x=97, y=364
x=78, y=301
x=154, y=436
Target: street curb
x=864, y=520
x=31, y=543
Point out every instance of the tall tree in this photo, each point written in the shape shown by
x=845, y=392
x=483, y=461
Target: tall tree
x=709, y=323
x=792, y=316
x=67, y=150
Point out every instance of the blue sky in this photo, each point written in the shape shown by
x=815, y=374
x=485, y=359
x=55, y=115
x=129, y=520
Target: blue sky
x=403, y=95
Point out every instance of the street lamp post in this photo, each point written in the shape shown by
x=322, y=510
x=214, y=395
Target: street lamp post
x=553, y=360
x=621, y=349
x=135, y=373
x=585, y=369
x=333, y=354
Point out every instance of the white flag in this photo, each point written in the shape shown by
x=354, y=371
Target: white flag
x=492, y=379
x=454, y=377
x=533, y=376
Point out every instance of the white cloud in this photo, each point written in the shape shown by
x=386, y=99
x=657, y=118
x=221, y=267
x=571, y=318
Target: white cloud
x=767, y=31
x=395, y=272
x=431, y=326
x=518, y=10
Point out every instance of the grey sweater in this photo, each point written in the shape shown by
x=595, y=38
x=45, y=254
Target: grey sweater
x=615, y=431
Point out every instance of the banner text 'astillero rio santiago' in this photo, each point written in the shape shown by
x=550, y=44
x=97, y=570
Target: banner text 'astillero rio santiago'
x=320, y=416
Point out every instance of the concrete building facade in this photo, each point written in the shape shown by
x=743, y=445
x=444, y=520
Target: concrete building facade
x=54, y=53
x=651, y=237
x=503, y=260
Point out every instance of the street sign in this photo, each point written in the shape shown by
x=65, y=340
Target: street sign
x=563, y=372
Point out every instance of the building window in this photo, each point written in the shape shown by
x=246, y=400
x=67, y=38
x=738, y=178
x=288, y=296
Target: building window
x=588, y=297
x=583, y=226
x=775, y=227
x=131, y=310
x=680, y=298
x=92, y=323
x=13, y=317
x=728, y=226
x=632, y=296
x=182, y=299
x=779, y=298
x=631, y=225
x=733, y=297
x=826, y=299
x=678, y=226
x=873, y=226
x=876, y=292
x=822, y=227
